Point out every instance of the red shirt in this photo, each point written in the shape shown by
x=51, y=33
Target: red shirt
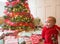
x=48, y=32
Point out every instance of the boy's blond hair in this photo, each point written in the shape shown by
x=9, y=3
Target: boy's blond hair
x=54, y=19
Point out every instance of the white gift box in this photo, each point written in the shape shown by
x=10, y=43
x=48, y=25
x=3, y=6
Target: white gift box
x=20, y=40
x=8, y=31
x=10, y=40
x=23, y=33
x=26, y=39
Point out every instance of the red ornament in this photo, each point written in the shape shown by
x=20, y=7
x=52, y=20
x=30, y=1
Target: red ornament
x=11, y=14
x=31, y=25
x=5, y=11
x=7, y=14
x=17, y=13
x=18, y=1
x=32, y=17
x=28, y=15
x=7, y=21
x=26, y=5
x=22, y=13
x=10, y=23
x=13, y=3
x=13, y=24
x=26, y=24
x=20, y=24
x=7, y=3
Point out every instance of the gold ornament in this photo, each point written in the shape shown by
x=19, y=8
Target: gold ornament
x=14, y=9
x=28, y=11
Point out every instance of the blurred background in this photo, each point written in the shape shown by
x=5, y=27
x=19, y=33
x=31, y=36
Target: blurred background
x=40, y=8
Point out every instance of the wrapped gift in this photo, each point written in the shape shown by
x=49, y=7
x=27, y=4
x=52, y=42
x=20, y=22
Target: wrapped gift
x=1, y=41
x=11, y=32
x=10, y=40
x=35, y=38
x=21, y=40
x=27, y=40
x=1, y=30
x=24, y=39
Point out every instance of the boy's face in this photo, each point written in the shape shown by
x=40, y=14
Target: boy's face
x=49, y=22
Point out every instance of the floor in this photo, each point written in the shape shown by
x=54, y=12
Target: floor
x=58, y=40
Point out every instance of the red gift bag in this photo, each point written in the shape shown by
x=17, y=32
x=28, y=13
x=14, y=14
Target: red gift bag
x=35, y=38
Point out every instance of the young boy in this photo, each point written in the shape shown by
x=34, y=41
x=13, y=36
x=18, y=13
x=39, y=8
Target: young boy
x=50, y=31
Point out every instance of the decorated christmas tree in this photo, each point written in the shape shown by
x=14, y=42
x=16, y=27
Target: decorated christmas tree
x=17, y=15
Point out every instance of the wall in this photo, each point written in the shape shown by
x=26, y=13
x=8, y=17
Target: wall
x=41, y=9
x=45, y=8
x=2, y=4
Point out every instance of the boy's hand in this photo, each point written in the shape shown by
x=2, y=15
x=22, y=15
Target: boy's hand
x=58, y=31
x=43, y=39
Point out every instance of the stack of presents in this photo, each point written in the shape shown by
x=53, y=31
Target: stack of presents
x=13, y=37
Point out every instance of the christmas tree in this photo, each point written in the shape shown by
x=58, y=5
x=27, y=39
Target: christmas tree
x=17, y=15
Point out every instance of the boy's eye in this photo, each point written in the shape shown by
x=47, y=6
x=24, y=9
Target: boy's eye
x=47, y=21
